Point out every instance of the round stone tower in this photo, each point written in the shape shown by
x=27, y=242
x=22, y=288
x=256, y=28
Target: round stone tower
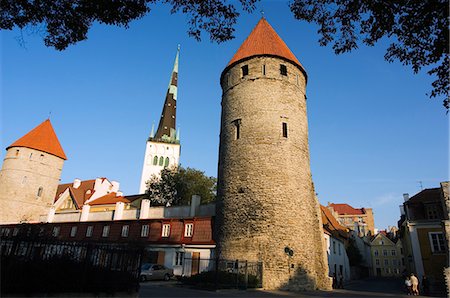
x=30, y=175
x=267, y=210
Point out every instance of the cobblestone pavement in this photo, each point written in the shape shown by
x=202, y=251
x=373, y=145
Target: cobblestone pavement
x=364, y=288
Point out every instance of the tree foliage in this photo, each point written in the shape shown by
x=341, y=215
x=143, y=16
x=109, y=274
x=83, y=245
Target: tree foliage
x=418, y=29
x=353, y=253
x=177, y=185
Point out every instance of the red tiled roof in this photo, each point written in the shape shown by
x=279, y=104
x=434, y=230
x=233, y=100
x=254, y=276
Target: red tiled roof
x=346, y=209
x=110, y=198
x=42, y=138
x=263, y=40
x=78, y=194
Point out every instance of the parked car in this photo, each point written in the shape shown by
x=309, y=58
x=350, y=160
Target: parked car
x=155, y=272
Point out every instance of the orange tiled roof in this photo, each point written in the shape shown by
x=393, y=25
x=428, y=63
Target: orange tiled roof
x=42, y=138
x=78, y=194
x=110, y=198
x=263, y=40
x=331, y=224
x=346, y=209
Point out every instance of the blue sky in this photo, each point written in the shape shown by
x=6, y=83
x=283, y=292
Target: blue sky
x=373, y=132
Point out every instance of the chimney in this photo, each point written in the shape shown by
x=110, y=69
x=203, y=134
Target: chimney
x=85, y=212
x=195, y=205
x=145, y=208
x=51, y=214
x=402, y=210
x=406, y=196
x=115, y=185
x=118, y=213
x=76, y=183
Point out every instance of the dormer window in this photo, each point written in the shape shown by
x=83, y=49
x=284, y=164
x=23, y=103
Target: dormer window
x=283, y=70
x=244, y=70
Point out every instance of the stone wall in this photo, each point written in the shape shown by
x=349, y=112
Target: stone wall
x=266, y=198
x=23, y=172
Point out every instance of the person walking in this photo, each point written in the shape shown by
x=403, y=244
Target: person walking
x=408, y=285
x=415, y=285
x=425, y=286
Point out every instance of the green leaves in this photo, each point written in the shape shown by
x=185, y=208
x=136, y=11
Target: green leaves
x=177, y=185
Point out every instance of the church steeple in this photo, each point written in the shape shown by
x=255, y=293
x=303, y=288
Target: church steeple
x=166, y=131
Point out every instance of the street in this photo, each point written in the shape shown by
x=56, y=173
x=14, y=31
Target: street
x=360, y=288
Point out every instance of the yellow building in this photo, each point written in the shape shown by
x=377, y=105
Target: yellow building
x=359, y=220
x=387, y=255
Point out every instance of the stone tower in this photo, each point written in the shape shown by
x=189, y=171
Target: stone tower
x=267, y=210
x=30, y=175
x=163, y=148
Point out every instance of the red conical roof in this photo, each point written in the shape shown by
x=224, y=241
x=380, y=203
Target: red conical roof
x=263, y=40
x=42, y=138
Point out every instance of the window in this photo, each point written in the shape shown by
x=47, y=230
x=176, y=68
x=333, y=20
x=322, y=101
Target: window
x=285, y=130
x=375, y=253
x=39, y=192
x=73, y=231
x=394, y=262
x=161, y=161
x=393, y=252
x=237, y=129
x=41, y=157
x=125, y=230
x=386, y=262
x=15, y=231
x=385, y=252
x=55, y=231
x=166, y=162
x=339, y=248
x=296, y=79
x=283, y=70
x=165, y=230
x=31, y=155
x=244, y=70
x=105, y=232
x=179, y=257
x=6, y=232
x=432, y=212
x=377, y=261
x=334, y=247
x=264, y=69
x=437, y=242
x=144, y=231
x=89, y=231
x=155, y=160
x=17, y=152
x=188, y=230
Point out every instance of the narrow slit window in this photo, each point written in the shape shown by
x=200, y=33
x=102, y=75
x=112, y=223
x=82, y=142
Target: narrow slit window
x=244, y=70
x=285, y=130
x=283, y=69
x=264, y=69
x=39, y=192
x=237, y=129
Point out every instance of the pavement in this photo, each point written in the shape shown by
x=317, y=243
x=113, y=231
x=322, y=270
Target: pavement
x=360, y=288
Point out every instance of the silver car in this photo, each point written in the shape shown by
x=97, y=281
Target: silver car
x=155, y=272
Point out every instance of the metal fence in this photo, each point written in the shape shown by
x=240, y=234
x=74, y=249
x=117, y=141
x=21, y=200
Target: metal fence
x=219, y=273
x=48, y=266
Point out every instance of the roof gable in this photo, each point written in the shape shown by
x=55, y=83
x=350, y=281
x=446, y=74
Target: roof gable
x=383, y=237
x=263, y=40
x=42, y=138
x=346, y=209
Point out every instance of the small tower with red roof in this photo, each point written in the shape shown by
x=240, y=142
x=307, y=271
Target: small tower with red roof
x=266, y=209
x=30, y=175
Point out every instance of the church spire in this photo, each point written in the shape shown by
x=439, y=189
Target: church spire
x=166, y=131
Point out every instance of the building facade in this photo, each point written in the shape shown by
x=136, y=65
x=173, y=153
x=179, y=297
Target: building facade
x=163, y=147
x=423, y=235
x=30, y=175
x=387, y=256
x=266, y=209
x=359, y=220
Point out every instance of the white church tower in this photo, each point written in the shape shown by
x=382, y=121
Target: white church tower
x=163, y=148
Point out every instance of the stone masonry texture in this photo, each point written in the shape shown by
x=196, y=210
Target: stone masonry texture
x=266, y=198
x=23, y=172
